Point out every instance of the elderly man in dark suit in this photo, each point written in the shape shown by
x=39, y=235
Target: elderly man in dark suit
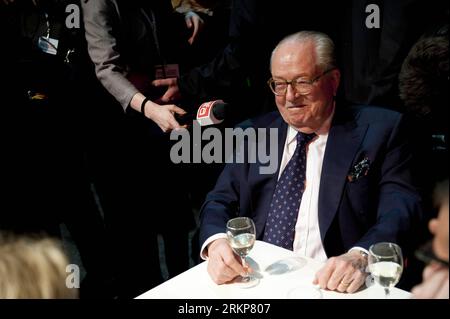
x=343, y=179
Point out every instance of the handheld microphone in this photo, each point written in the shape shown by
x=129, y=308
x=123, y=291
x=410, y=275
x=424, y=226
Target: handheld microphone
x=210, y=113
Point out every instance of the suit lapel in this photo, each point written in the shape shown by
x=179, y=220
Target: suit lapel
x=343, y=142
x=264, y=185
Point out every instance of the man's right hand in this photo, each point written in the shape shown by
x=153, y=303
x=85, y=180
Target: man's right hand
x=223, y=264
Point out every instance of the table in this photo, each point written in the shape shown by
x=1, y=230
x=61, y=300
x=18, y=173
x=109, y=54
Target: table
x=280, y=272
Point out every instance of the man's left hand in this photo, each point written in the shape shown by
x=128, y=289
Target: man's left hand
x=344, y=273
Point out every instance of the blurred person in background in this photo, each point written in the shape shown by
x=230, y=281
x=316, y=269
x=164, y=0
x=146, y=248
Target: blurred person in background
x=33, y=268
x=423, y=87
x=435, y=284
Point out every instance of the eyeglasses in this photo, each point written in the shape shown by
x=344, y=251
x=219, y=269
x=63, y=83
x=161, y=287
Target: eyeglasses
x=301, y=86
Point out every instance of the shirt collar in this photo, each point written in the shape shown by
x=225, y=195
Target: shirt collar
x=292, y=133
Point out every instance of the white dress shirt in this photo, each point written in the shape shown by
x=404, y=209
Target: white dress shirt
x=307, y=241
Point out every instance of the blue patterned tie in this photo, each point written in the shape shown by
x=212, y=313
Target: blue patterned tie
x=283, y=212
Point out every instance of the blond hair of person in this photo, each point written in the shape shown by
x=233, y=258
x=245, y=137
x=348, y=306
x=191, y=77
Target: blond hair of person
x=33, y=268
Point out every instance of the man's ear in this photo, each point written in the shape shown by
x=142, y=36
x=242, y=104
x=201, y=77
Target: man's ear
x=336, y=80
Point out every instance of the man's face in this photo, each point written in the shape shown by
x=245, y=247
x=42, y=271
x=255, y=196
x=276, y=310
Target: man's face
x=306, y=113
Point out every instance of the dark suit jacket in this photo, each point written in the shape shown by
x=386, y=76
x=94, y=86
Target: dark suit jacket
x=381, y=206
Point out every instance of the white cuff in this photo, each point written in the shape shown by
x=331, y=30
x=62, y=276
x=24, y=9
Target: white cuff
x=362, y=250
x=203, y=251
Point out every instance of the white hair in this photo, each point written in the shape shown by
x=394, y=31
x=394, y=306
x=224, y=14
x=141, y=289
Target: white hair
x=324, y=47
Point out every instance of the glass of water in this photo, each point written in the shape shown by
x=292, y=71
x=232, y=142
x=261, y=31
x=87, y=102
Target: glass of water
x=241, y=233
x=386, y=264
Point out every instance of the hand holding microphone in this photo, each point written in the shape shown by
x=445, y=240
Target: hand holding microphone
x=162, y=115
x=165, y=116
x=209, y=113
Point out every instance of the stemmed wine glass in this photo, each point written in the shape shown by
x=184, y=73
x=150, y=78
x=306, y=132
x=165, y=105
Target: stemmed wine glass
x=385, y=264
x=241, y=233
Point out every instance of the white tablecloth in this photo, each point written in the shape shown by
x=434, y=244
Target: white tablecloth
x=282, y=274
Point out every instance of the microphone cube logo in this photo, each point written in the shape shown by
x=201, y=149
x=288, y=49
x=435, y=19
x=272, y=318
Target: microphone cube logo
x=205, y=113
x=204, y=110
